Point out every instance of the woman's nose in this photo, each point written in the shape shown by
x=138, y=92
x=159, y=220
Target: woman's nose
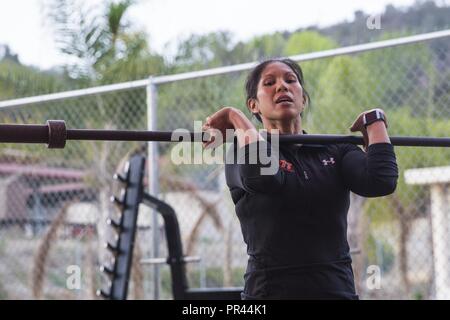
x=281, y=86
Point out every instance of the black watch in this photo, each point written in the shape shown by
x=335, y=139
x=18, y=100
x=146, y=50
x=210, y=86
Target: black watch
x=373, y=116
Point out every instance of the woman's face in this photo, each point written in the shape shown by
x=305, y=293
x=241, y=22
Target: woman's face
x=280, y=95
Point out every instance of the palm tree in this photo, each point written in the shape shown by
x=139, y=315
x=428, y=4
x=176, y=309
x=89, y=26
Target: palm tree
x=105, y=50
x=99, y=40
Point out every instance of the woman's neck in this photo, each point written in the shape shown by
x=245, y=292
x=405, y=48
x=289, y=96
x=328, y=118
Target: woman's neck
x=284, y=127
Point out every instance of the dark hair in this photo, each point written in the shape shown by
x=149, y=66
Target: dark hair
x=251, y=85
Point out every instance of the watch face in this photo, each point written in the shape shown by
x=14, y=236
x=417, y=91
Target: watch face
x=371, y=116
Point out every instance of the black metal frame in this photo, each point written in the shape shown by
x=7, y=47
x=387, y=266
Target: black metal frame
x=126, y=231
x=122, y=249
x=176, y=261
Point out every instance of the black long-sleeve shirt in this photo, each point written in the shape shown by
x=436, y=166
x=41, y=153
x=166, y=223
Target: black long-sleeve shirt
x=295, y=221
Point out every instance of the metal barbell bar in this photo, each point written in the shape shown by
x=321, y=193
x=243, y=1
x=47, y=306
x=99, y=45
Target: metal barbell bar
x=55, y=134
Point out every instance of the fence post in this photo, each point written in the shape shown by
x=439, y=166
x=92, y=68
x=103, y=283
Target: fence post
x=153, y=178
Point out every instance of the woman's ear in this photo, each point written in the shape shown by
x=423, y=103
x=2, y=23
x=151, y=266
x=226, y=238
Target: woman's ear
x=253, y=106
x=304, y=103
x=304, y=100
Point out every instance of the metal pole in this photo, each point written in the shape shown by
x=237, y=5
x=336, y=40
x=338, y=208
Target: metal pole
x=55, y=135
x=153, y=178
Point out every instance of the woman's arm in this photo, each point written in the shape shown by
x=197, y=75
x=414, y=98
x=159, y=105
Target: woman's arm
x=377, y=133
x=241, y=171
x=232, y=118
x=374, y=173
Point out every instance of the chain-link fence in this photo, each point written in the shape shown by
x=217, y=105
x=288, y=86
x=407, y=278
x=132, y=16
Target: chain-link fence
x=54, y=202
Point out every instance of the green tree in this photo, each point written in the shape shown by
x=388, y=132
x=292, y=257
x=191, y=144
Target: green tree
x=198, y=52
x=17, y=80
x=104, y=44
x=266, y=46
x=403, y=76
x=339, y=93
x=307, y=42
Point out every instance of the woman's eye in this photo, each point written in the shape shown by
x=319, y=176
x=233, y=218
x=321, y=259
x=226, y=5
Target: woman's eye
x=268, y=83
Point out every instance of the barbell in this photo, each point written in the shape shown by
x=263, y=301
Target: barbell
x=55, y=134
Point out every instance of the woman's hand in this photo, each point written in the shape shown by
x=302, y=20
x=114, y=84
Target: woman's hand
x=373, y=133
x=220, y=121
x=230, y=118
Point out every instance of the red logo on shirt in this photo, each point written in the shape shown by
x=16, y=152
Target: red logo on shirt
x=286, y=166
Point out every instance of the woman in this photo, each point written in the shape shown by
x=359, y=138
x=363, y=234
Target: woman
x=294, y=222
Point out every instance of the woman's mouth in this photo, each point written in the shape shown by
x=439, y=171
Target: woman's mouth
x=284, y=99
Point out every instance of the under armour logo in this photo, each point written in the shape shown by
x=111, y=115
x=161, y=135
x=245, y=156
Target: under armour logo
x=327, y=162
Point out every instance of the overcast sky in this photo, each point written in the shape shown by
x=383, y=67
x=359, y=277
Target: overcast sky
x=23, y=27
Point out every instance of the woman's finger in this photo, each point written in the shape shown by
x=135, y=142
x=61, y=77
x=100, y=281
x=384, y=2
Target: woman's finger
x=207, y=145
x=208, y=137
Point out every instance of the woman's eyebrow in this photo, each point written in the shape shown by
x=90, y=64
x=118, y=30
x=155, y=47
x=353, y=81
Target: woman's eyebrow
x=288, y=73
